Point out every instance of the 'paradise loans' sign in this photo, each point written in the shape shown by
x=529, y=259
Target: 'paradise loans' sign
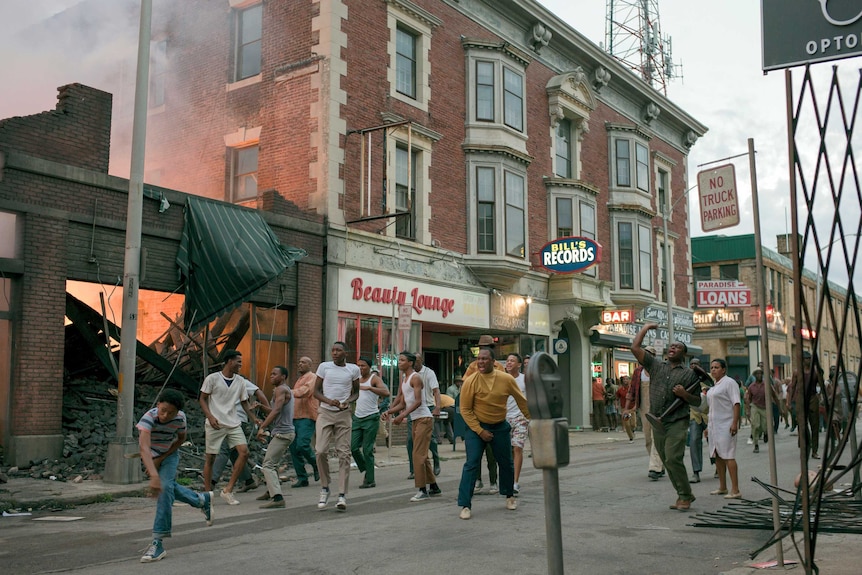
x=570, y=255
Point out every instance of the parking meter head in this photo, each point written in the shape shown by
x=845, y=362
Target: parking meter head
x=544, y=387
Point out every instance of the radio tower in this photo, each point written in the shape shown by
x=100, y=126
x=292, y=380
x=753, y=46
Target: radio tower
x=633, y=36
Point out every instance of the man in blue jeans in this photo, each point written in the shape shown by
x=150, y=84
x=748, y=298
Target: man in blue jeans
x=483, y=406
x=162, y=431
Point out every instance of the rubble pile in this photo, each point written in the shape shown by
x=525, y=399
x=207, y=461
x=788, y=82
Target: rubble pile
x=90, y=422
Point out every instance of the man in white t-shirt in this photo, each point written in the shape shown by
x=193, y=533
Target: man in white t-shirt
x=220, y=393
x=336, y=387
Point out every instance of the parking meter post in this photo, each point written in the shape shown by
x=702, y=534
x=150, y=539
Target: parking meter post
x=549, y=439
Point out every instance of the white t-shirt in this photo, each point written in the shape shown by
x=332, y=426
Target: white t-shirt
x=251, y=389
x=512, y=409
x=223, y=398
x=368, y=401
x=429, y=384
x=337, y=381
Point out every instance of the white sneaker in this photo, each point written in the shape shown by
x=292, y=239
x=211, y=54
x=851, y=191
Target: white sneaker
x=228, y=496
x=511, y=503
x=750, y=441
x=479, y=486
x=420, y=496
x=516, y=488
x=493, y=489
x=324, y=498
x=466, y=513
x=342, y=503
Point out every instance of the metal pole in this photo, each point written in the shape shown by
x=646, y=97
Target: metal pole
x=801, y=383
x=764, y=347
x=553, y=523
x=668, y=278
x=118, y=468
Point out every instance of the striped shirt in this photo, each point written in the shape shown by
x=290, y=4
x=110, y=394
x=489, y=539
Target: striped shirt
x=162, y=435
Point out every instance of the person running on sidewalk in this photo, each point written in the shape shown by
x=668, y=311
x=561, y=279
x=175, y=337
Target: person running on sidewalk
x=281, y=437
x=304, y=418
x=668, y=380
x=411, y=403
x=162, y=431
x=628, y=420
x=518, y=422
x=246, y=480
x=755, y=404
x=483, y=407
x=336, y=387
x=366, y=421
x=220, y=393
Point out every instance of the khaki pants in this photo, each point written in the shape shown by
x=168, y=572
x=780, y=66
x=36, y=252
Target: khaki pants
x=334, y=426
x=655, y=463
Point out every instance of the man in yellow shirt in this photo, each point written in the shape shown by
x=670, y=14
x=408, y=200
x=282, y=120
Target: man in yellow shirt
x=483, y=407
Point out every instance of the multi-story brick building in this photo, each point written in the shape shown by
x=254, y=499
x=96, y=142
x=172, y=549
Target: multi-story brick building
x=731, y=329
x=445, y=142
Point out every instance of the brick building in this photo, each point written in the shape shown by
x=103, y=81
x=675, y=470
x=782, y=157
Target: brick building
x=62, y=219
x=731, y=331
x=491, y=127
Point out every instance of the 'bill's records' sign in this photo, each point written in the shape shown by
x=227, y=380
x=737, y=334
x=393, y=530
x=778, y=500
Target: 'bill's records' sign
x=570, y=255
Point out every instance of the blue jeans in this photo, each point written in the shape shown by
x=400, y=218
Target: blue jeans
x=501, y=445
x=695, y=445
x=300, y=450
x=171, y=491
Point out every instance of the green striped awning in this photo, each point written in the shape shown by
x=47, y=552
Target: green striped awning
x=226, y=255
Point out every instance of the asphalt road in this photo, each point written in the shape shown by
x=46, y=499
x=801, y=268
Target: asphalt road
x=614, y=521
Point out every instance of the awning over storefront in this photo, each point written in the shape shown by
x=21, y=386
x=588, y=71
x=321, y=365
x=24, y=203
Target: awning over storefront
x=226, y=255
x=610, y=339
x=779, y=359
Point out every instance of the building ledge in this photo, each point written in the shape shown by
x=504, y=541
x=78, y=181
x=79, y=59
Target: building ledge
x=496, y=272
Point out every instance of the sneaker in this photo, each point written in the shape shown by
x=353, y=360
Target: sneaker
x=420, y=496
x=493, y=489
x=750, y=441
x=631, y=440
x=757, y=449
x=324, y=499
x=228, y=496
x=435, y=491
x=695, y=478
x=248, y=486
x=299, y=483
x=342, y=503
x=155, y=553
x=465, y=513
x=367, y=485
x=263, y=496
x=516, y=488
x=411, y=476
x=511, y=503
x=654, y=475
x=436, y=469
x=207, y=509
x=479, y=486
x=274, y=504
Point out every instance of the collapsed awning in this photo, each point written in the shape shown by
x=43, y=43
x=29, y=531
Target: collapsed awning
x=226, y=255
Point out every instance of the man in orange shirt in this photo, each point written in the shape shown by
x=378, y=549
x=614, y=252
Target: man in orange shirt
x=483, y=401
x=598, y=405
x=304, y=416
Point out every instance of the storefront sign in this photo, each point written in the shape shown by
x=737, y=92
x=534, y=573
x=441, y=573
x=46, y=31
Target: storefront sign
x=509, y=312
x=723, y=293
x=618, y=316
x=717, y=318
x=570, y=255
x=380, y=295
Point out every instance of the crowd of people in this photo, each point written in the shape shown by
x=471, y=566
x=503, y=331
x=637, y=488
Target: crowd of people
x=343, y=406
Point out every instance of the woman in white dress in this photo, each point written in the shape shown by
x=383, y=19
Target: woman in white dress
x=723, y=400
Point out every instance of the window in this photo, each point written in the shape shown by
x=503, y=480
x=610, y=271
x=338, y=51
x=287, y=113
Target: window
x=405, y=196
x=631, y=163
x=626, y=249
x=158, y=73
x=702, y=274
x=662, y=191
x=563, y=149
x=642, y=158
x=249, y=32
x=635, y=256
x=513, y=99
x=565, y=224
x=624, y=162
x=485, y=214
x=244, y=173
x=485, y=91
x=728, y=272
x=515, y=213
x=405, y=62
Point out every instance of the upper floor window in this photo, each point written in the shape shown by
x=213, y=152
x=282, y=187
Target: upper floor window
x=249, y=34
x=406, y=164
x=563, y=149
x=662, y=195
x=513, y=99
x=703, y=273
x=485, y=214
x=496, y=80
x=244, y=173
x=575, y=217
x=728, y=272
x=500, y=209
x=634, y=256
x=515, y=214
x=409, y=73
x=628, y=171
x=405, y=62
x=158, y=73
x=485, y=91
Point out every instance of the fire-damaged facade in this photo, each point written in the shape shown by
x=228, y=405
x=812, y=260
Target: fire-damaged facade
x=63, y=220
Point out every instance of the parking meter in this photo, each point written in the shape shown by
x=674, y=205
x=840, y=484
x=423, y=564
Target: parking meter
x=549, y=431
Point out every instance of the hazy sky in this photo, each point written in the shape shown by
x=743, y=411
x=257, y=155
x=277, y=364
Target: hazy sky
x=717, y=44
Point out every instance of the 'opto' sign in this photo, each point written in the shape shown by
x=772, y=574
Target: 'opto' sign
x=570, y=255
x=719, y=204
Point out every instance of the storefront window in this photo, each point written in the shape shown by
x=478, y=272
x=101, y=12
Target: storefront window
x=372, y=336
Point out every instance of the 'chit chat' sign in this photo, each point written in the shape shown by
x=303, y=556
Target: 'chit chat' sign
x=570, y=255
